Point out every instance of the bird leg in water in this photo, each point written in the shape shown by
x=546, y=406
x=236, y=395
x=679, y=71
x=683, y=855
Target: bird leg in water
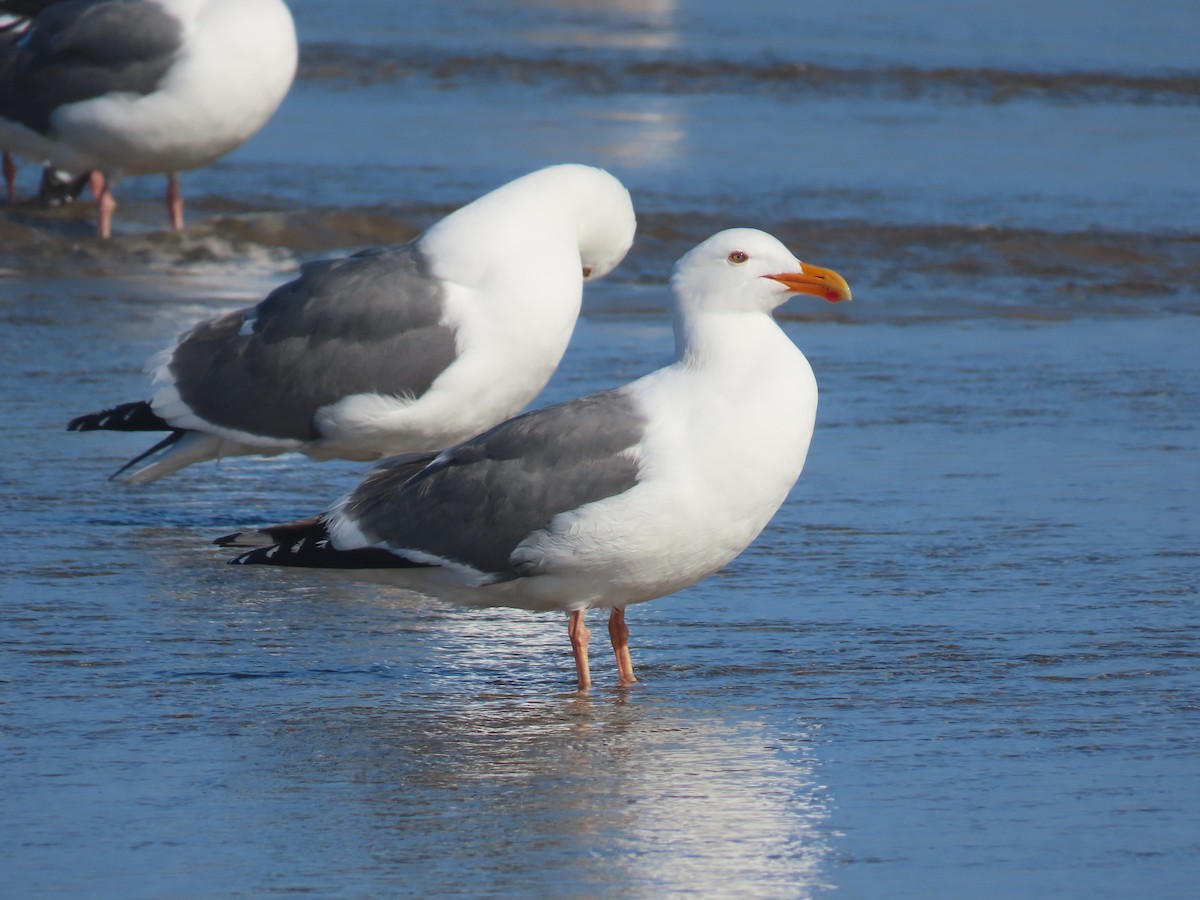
x=619, y=633
x=174, y=201
x=578, y=631
x=105, y=204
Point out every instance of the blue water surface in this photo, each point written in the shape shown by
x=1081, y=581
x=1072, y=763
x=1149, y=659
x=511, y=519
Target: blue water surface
x=962, y=660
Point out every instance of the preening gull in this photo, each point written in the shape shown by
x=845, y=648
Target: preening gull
x=611, y=499
x=138, y=87
x=392, y=350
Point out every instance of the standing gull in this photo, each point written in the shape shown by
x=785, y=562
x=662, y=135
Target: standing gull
x=392, y=350
x=614, y=498
x=138, y=87
x=58, y=186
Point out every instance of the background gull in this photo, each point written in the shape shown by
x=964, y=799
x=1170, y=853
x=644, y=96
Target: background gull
x=614, y=498
x=137, y=87
x=392, y=350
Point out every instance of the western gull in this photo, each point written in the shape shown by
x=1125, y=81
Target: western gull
x=138, y=87
x=614, y=498
x=396, y=349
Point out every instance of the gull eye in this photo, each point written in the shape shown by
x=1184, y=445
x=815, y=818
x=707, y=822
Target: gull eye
x=737, y=257
x=587, y=271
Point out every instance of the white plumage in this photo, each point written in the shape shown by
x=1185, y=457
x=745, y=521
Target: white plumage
x=393, y=350
x=139, y=87
x=612, y=499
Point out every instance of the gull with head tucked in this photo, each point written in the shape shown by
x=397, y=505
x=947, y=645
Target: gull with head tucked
x=392, y=350
x=610, y=499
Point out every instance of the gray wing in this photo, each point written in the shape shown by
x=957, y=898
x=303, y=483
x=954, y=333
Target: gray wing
x=80, y=50
x=477, y=501
x=366, y=323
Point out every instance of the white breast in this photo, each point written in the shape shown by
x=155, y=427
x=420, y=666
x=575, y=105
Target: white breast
x=727, y=444
x=237, y=64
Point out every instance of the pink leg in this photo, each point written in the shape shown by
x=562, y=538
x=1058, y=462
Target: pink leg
x=174, y=202
x=579, y=634
x=619, y=634
x=105, y=204
x=10, y=177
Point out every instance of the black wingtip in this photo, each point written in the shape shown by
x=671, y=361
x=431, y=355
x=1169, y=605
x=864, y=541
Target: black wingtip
x=311, y=527
x=316, y=552
x=135, y=416
x=304, y=553
x=252, y=557
x=84, y=423
x=306, y=543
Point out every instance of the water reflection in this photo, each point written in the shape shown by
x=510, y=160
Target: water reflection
x=526, y=794
x=625, y=24
x=642, y=132
x=469, y=761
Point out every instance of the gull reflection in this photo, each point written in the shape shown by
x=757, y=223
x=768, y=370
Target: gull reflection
x=505, y=788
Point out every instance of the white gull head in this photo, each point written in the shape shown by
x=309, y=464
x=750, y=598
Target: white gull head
x=527, y=224
x=747, y=270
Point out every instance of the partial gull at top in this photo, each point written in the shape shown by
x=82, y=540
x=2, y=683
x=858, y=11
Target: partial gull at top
x=138, y=87
x=397, y=349
x=614, y=498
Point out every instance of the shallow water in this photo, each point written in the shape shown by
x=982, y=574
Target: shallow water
x=962, y=661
